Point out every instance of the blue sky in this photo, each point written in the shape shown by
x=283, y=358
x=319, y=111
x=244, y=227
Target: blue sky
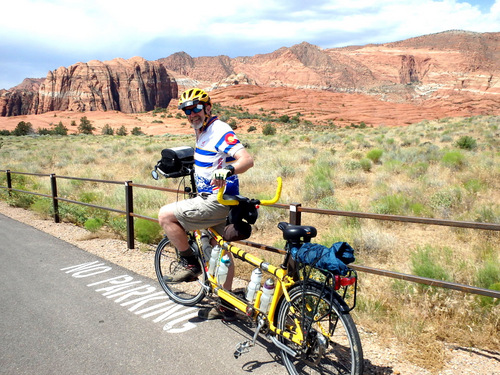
x=41, y=35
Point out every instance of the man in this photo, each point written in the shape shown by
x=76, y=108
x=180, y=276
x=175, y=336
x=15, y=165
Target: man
x=219, y=158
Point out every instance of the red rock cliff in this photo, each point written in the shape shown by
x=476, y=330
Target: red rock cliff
x=130, y=86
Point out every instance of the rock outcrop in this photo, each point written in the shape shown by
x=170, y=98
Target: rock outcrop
x=443, y=66
x=129, y=86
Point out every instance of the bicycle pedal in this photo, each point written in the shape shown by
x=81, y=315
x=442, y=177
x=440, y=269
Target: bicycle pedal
x=243, y=347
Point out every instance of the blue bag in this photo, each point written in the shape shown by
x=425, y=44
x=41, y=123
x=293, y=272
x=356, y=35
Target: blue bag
x=334, y=258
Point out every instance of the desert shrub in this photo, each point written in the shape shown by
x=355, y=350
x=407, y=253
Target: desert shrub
x=366, y=164
x=251, y=129
x=445, y=200
x=392, y=204
x=375, y=155
x=319, y=182
x=269, y=130
x=425, y=262
x=453, y=159
x=488, y=274
x=148, y=231
x=43, y=207
x=93, y=224
x=122, y=131
x=466, y=143
x=60, y=129
x=107, y=130
x=137, y=131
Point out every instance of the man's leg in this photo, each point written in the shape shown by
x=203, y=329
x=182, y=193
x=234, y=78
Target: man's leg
x=177, y=236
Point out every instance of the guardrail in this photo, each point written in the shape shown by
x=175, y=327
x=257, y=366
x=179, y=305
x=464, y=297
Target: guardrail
x=295, y=217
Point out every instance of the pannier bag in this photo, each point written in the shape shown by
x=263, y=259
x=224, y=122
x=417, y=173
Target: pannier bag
x=238, y=222
x=176, y=160
x=334, y=258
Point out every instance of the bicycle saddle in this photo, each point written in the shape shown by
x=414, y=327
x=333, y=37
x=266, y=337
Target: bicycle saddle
x=294, y=233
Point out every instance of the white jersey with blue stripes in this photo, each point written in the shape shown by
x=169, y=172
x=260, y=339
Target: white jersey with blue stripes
x=215, y=148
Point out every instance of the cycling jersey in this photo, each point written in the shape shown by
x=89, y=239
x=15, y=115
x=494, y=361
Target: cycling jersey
x=215, y=148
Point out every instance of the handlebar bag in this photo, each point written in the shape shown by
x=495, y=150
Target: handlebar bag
x=334, y=258
x=174, y=159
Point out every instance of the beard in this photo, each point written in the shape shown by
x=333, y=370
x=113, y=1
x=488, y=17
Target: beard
x=196, y=122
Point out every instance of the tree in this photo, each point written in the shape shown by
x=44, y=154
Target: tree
x=23, y=128
x=85, y=126
x=122, y=131
x=60, y=129
x=107, y=130
x=137, y=131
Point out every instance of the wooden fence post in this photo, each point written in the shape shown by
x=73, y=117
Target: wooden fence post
x=9, y=182
x=129, y=199
x=55, y=202
x=295, y=214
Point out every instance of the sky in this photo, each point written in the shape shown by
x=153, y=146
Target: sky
x=37, y=36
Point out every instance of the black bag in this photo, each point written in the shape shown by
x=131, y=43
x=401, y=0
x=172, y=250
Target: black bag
x=238, y=221
x=176, y=160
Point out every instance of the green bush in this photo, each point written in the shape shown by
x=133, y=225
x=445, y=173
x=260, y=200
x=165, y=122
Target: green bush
x=252, y=129
x=375, y=155
x=85, y=126
x=122, y=131
x=148, y=231
x=425, y=263
x=93, y=224
x=466, y=143
x=366, y=164
x=269, y=130
x=43, y=207
x=394, y=204
x=453, y=159
x=23, y=128
x=137, y=131
x=107, y=130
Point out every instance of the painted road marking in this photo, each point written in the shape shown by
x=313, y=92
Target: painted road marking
x=144, y=300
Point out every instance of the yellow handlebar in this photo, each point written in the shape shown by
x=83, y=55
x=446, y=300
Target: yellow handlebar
x=234, y=202
x=276, y=197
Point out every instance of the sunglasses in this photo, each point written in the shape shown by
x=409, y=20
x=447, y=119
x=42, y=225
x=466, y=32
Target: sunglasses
x=196, y=109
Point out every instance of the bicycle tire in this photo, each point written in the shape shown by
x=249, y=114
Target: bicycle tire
x=335, y=351
x=167, y=264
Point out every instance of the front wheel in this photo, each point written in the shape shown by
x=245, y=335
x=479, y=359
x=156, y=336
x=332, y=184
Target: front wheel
x=331, y=340
x=168, y=264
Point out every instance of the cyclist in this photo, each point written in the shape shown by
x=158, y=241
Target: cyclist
x=219, y=158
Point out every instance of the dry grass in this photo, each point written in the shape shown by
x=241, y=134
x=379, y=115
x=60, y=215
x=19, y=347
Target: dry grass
x=421, y=172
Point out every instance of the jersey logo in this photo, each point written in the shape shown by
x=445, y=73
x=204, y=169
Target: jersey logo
x=231, y=139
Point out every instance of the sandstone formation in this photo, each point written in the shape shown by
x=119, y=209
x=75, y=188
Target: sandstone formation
x=129, y=86
x=457, y=70
x=416, y=69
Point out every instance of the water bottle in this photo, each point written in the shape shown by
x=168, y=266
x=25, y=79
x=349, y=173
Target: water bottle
x=267, y=295
x=254, y=284
x=214, y=258
x=223, y=269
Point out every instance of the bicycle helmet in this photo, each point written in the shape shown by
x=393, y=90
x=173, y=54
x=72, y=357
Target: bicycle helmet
x=192, y=97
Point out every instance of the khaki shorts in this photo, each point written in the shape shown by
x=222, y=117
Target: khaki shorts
x=201, y=213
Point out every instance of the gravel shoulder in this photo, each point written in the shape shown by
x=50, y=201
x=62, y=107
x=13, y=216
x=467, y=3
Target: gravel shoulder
x=381, y=357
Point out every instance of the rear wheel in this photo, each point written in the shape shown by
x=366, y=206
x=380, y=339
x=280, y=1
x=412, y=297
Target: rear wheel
x=332, y=344
x=167, y=265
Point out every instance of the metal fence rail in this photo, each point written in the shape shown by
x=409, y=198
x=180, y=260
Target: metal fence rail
x=295, y=211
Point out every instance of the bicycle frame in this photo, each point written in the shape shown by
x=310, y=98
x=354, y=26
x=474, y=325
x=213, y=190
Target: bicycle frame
x=284, y=282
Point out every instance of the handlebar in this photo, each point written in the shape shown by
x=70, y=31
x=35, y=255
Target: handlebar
x=234, y=201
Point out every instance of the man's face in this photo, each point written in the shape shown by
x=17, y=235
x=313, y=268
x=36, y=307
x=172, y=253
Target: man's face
x=196, y=119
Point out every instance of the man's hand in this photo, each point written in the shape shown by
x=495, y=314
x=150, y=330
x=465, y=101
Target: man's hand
x=219, y=176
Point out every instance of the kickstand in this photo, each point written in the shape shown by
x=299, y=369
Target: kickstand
x=244, y=347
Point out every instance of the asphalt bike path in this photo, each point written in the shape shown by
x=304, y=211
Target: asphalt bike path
x=64, y=310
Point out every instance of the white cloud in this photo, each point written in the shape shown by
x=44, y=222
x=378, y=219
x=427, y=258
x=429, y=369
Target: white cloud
x=104, y=29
